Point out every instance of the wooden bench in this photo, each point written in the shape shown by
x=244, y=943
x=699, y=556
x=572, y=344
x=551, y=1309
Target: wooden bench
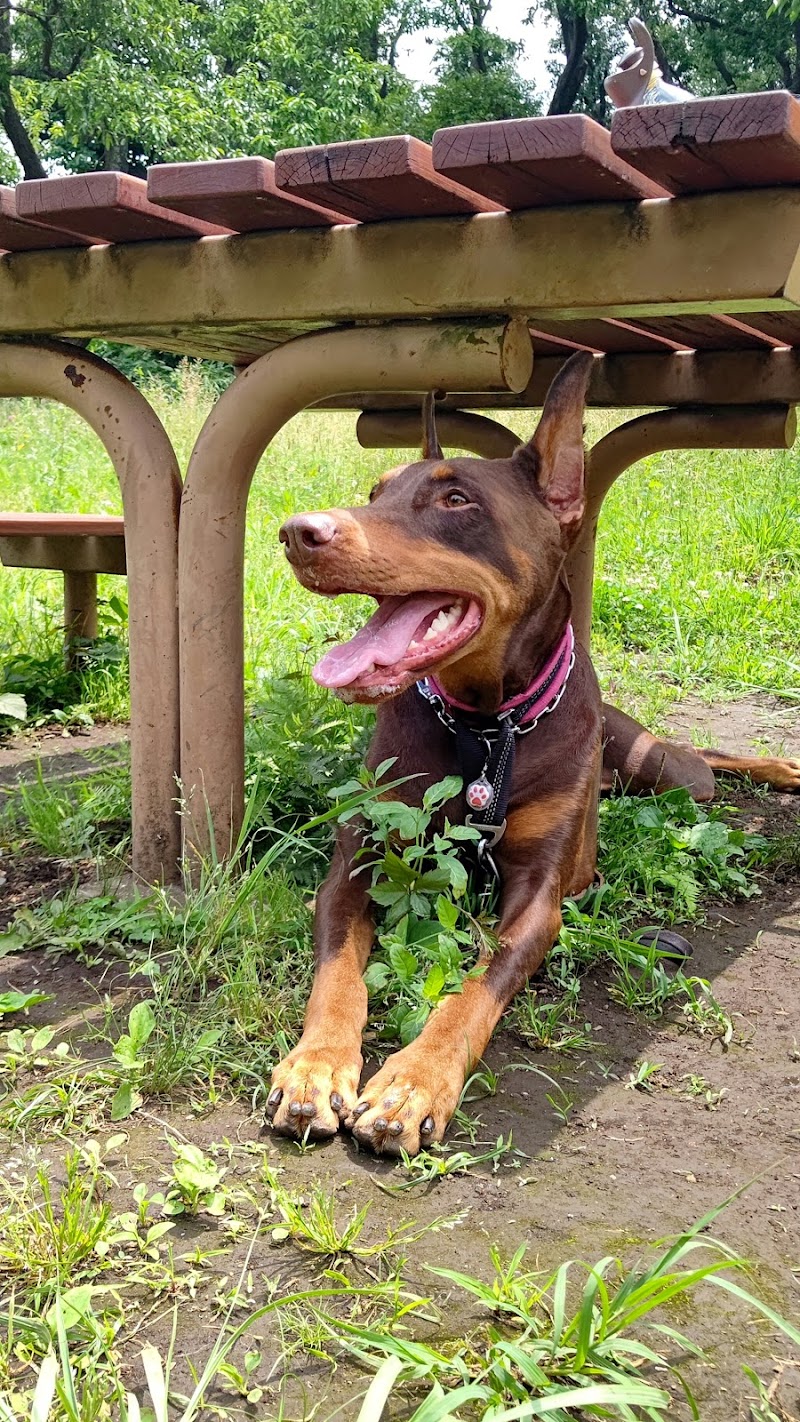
x=78, y=545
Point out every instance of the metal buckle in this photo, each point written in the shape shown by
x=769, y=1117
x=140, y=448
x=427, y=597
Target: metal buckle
x=492, y=834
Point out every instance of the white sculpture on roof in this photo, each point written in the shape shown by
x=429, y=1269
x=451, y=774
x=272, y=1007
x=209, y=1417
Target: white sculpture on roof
x=636, y=78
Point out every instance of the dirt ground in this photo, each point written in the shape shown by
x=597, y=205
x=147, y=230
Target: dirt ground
x=626, y=1168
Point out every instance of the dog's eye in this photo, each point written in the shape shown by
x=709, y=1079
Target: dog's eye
x=455, y=499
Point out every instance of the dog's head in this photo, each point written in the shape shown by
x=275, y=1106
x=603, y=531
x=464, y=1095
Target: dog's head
x=457, y=552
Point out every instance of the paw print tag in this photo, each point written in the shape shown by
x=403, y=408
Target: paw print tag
x=480, y=794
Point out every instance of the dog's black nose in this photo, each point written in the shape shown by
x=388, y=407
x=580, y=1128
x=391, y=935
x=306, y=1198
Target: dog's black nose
x=304, y=534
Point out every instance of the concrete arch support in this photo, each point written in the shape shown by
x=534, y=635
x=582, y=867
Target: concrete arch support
x=145, y=464
x=211, y=556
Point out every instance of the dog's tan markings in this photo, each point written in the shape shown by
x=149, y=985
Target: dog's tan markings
x=381, y=483
x=409, y=1102
x=542, y=816
x=443, y=471
x=317, y=1083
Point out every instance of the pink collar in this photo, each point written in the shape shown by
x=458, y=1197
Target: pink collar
x=541, y=696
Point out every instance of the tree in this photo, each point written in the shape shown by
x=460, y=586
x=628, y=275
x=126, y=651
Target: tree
x=476, y=71
x=127, y=83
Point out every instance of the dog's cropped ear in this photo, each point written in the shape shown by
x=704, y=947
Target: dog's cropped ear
x=431, y=448
x=554, y=457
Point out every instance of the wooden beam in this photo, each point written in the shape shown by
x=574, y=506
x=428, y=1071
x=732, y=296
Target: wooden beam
x=238, y=193
x=375, y=178
x=733, y=141
x=109, y=207
x=724, y=252
x=535, y=162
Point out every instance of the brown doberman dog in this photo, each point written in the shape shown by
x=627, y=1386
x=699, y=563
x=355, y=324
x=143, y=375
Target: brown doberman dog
x=465, y=558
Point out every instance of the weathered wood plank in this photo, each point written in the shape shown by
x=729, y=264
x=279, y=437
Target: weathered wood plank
x=109, y=207
x=711, y=333
x=732, y=141
x=782, y=327
x=376, y=178
x=535, y=162
x=47, y=525
x=605, y=336
x=238, y=193
x=16, y=235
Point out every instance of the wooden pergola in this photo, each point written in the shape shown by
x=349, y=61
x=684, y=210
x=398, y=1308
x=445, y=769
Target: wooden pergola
x=359, y=275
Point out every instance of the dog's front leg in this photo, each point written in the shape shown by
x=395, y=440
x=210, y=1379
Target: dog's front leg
x=316, y=1085
x=410, y=1101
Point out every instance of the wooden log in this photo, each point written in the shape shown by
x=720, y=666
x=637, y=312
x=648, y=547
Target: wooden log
x=375, y=178
x=17, y=235
x=239, y=193
x=537, y=162
x=733, y=141
x=110, y=207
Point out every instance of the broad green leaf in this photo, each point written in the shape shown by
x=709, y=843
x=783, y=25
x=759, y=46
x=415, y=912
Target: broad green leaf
x=13, y=706
x=126, y=1100
x=21, y=1001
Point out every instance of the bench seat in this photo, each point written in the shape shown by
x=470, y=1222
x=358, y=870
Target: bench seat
x=78, y=545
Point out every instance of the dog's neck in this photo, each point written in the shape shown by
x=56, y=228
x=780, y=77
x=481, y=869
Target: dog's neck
x=487, y=685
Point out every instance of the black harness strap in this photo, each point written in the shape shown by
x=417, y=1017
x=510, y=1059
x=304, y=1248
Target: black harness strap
x=486, y=749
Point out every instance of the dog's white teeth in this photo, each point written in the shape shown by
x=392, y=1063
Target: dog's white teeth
x=443, y=621
x=368, y=670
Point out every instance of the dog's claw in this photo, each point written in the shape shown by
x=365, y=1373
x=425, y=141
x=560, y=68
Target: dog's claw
x=312, y=1090
x=360, y=1109
x=381, y=1125
x=396, y=1128
x=428, y=1126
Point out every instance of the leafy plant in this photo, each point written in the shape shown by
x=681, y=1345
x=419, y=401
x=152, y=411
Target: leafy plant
x=195, y=1184
x=419, y=883
x=21, y=1001
x=129, y=1052
x=50, y=1233
x=309, y=1218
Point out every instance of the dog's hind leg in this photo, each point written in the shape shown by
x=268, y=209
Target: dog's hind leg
x=316, y=1085
x=635, y=761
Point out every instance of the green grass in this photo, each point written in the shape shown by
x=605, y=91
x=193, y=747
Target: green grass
x=697, y=575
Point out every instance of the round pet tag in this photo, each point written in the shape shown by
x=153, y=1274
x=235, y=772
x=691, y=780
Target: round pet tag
x=480, y=794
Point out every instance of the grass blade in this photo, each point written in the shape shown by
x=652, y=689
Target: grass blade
x=783, y=1324
x=379, y=1390
x=44, y=1391
x=156, y=1381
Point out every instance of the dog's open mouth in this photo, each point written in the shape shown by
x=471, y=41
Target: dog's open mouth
x=403, y=639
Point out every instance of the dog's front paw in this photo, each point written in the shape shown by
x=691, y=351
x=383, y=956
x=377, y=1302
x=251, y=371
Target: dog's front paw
x=312, y=1091
x=407, y=1105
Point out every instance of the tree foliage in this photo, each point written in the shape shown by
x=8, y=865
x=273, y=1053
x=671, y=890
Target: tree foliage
x=125, y=83
x=706, y=46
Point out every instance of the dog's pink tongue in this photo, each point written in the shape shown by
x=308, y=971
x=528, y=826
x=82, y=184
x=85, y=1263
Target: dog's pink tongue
x=383, y=640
